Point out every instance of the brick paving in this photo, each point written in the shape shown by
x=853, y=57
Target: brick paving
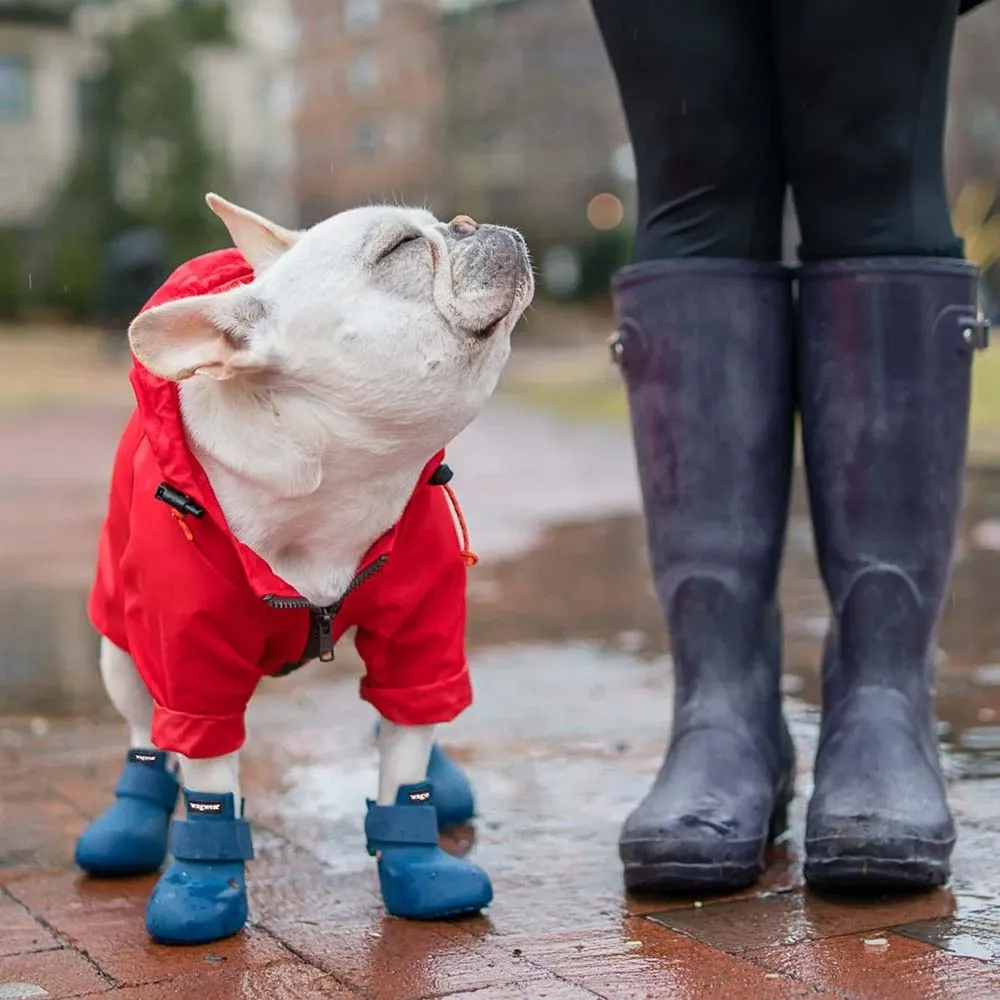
x=568, y=726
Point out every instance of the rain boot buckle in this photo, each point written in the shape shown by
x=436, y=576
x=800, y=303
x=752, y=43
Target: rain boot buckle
x=976, y=331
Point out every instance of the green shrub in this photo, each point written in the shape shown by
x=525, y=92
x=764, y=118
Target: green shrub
x=13, y=280
x=600, y=257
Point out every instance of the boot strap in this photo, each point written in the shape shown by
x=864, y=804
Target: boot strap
x=400, y=826
x=211, y=840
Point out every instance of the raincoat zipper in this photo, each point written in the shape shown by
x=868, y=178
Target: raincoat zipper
x=324, y=615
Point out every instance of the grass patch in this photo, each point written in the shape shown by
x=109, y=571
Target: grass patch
x=42, y=368
x=588, y=401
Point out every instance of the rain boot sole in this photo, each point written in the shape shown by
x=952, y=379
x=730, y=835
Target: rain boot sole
x=675, y=877
x=852, y=872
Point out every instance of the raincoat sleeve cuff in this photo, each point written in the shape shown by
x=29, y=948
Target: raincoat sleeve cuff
x=441, y=701
x=197, y=736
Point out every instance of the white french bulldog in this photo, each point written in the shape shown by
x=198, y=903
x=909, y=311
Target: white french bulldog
x=283, y=468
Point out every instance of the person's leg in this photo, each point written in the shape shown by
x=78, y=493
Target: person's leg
x=887, y=329
x=695, y=84
x=704, y=344
x=863, y=89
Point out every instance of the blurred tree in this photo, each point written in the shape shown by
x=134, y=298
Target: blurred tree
x=144, y=160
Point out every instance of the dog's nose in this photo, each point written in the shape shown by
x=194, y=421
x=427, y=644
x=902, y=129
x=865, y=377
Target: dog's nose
x=463, y=225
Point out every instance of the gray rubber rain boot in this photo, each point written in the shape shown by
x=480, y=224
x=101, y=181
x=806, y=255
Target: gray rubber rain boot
x=884, y=373
x=705, y=347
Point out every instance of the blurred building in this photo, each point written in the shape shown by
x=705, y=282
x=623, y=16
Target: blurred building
x=372, y=94
x=534, y=126
x=249, y=96
x=247, y=93
x=504, y=109
x=41, y=60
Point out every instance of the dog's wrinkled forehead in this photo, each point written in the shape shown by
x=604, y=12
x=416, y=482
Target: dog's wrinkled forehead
x=359, y=232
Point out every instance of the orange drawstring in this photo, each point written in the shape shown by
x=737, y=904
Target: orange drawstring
x=180, y=520
x=468, y=555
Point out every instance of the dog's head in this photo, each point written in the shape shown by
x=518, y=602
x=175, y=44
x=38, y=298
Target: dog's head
x=386, y=319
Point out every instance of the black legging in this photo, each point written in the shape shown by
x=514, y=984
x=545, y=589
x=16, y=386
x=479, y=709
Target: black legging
x=730, y=101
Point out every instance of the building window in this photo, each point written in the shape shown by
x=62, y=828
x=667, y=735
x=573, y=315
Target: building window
x=365, y=143
x=361, y=14
x=15, y=88
x=363, y=75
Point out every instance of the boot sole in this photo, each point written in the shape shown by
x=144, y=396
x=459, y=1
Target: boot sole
x=860, y=872
x=672, y=876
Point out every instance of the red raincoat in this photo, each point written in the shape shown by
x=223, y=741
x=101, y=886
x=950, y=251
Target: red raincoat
x=205, y=618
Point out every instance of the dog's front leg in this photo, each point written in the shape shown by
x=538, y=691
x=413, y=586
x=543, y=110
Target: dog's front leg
x=219, y=775
x=404, y=753
x=202, y=894
x=130, y=837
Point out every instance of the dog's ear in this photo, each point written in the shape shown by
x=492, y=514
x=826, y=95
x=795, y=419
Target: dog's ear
x=204, y=335
x=260, y=241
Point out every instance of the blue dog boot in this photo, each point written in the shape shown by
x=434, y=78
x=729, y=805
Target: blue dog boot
x=202, y=896
x=130, y=836
x=452, y=798
x=419, y=881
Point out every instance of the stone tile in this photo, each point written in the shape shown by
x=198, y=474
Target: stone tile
x=899, y=969
x=642, y=961
x=790, y=917
x=106, y=920
x=973, y=934
x=284, y=981
x=343, y=900
x=537, y=989
x=43, y=834
x=61, y=973
x=974, y=868
x=19, y=933
x=393, y=959
x=977, y=802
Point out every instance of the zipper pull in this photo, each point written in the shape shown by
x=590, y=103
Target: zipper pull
x=325, y=623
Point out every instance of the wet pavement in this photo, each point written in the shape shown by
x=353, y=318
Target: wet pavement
x=572, y=676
